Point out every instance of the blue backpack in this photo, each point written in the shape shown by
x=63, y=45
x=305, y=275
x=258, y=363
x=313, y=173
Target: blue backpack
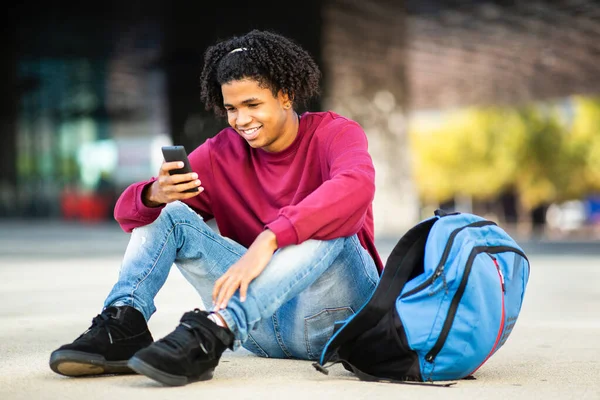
x=447, y=300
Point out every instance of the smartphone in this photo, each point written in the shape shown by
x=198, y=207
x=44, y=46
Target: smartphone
x=178, y=153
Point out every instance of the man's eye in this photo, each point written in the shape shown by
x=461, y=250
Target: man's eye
x=252, y=105
x=230, y=109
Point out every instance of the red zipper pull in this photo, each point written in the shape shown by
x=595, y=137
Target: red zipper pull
x=499, y=272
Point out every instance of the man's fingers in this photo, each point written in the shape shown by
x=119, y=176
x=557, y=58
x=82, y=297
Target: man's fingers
x=168, y=166
x=228, y=292
x=217, y=288
x=244, y=290
x=177, y=179
x=181, y=178
x=187, y=185
x=175, y=185
x=222, y=290
x=185, y=196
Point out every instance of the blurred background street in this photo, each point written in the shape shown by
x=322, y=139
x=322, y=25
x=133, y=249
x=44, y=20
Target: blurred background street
x=63, y=240
x=484, y=106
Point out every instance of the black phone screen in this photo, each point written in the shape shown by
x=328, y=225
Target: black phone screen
x=178, y=153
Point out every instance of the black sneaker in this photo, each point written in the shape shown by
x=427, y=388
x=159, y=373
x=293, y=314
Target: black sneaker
x=115, y=335
x=190, y=353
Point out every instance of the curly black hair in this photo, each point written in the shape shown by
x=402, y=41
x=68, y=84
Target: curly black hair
x=274, y=61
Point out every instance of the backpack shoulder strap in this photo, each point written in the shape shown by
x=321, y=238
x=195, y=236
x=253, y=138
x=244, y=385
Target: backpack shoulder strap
x=405, y=256
x=363, y=376
x=407, y=253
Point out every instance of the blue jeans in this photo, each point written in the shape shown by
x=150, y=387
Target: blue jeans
x=290, y=308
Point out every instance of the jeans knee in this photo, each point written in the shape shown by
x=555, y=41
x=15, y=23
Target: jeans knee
x=178, y=212
x=176, y=208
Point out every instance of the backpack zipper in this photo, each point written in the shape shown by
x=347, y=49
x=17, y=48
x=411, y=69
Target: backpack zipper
x=439, y=270
x=500, y=275
x=439, y=344
x=503, y=316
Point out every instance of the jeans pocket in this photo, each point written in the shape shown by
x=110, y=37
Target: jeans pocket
x=318, y=328
x=253, y=347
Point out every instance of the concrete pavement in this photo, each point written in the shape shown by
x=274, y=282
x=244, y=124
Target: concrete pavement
x=53, y=279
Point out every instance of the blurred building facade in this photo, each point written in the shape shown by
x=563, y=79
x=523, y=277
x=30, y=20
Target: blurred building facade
x=92, y=92
x=95, y=92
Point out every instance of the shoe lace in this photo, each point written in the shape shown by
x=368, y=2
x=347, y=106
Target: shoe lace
x=180, y=336
x=100, y=321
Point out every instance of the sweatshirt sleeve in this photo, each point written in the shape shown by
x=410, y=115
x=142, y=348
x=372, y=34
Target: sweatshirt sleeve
x=339, y=206
x=131, y=212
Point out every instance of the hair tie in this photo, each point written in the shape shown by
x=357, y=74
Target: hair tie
x=238, y=49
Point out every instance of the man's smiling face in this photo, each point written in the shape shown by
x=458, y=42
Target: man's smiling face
x=265, y=121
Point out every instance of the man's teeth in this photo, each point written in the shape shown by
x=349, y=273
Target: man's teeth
x=251, y=131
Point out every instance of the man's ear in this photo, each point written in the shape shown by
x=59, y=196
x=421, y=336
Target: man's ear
x=285, y=99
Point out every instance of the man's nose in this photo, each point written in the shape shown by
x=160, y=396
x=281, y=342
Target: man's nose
x=243, y=118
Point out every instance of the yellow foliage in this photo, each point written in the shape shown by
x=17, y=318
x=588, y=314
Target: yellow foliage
x=472, y=153
x=480, y=152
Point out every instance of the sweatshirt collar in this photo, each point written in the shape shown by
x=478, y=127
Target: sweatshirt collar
x=291, y=149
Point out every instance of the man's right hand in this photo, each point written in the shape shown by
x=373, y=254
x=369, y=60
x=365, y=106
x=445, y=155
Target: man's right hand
x=168, y=188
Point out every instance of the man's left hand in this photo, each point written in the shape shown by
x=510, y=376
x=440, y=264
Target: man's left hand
x=245, y=270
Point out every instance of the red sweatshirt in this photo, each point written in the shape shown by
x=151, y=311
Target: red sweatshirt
x=320, y=187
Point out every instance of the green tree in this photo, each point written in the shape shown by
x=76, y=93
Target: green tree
x=541, y=157
x=481, y=152
x=471, y=153
x=584, y=145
